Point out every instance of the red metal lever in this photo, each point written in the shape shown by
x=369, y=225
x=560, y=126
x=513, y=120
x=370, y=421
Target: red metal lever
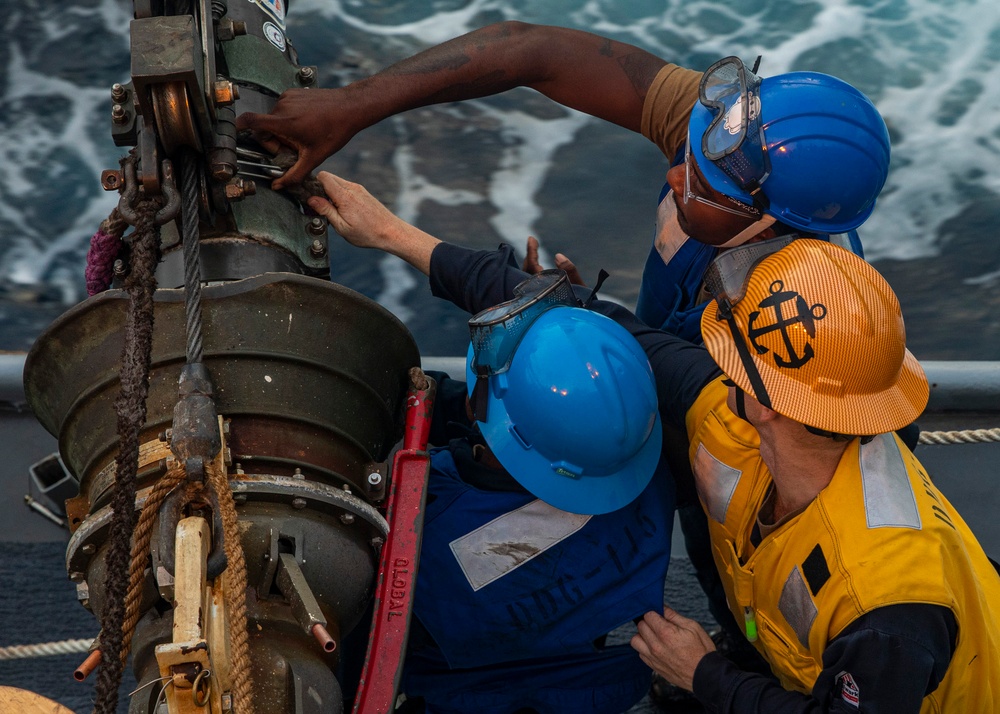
x=400, y=556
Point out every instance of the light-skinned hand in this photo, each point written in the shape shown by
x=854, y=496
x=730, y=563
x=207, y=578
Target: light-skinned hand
x=672, y=646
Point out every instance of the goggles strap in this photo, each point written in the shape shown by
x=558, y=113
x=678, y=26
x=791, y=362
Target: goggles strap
x=751, y=231
x=601, y=277
x=756, y=382
x=479, y=400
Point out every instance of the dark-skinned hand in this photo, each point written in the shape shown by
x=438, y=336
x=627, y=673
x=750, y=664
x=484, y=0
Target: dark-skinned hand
x=532, y=265
x=314, y=123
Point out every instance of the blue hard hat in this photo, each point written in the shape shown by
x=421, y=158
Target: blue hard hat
x=828, y=148
x=574, y=419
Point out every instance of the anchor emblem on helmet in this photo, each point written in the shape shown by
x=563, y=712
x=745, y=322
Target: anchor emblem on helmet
x=781, y=300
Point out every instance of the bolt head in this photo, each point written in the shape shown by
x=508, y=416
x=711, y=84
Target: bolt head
x=307, y=75
x=111, y=179
x=317, y=249
x=316, y=226
x=226, y=92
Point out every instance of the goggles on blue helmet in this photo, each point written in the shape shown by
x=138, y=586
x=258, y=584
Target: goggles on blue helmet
x=734, y=141
x=743, y=210
x=497, y=331
x=726, y=280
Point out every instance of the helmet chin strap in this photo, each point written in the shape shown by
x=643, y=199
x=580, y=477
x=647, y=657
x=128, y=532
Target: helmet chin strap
x=751, y=231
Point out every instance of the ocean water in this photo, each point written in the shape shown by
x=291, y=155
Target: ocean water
x=502, y=168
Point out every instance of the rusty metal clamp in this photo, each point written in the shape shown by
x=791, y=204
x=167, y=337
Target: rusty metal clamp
x=126, y=204
x=172, y=207
x=170, y=515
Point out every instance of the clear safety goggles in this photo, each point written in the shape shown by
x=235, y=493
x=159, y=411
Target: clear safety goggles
x=734, y=141
x=727, y=276
x=497, y=331
x=744, y=211
x=726, y=280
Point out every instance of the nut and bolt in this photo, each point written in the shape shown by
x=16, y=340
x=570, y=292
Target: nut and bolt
x=119, y=269
x=239, y=188
x=317, y=249
x=118, y=93
x=298, y=474
x=229, y=29
x=316, y=226
x=298, y=503
x=111, y=179
x=307, y=75
x=377, y=542
x=89, y=549
x=375, y=480
x=225, y=92
x=77, y=577
x=166, y=435
x=118, y=114
x=347, y=519
x=222, y=170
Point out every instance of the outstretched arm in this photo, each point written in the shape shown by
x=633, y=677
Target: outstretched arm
x=592, y=74
x=364, y=222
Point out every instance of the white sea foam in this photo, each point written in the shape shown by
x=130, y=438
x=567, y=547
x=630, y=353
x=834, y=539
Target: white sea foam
x=28, y=140
x=432, y=28
x=931, y=68
x=931, y=57
x=414, y=189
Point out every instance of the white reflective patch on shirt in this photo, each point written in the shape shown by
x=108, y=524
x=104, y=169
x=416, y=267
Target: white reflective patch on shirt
x=669, y=234
x=716, y=482
x=511, y=540
x=797, y=607
x=889, y=498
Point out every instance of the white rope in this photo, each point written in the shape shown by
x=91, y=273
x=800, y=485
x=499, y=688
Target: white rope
x=969, y=436
x=45, y=649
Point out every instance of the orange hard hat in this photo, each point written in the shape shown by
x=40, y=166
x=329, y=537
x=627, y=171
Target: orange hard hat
x=815, y=333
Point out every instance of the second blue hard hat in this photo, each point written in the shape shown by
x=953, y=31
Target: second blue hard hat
x=574, y=419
